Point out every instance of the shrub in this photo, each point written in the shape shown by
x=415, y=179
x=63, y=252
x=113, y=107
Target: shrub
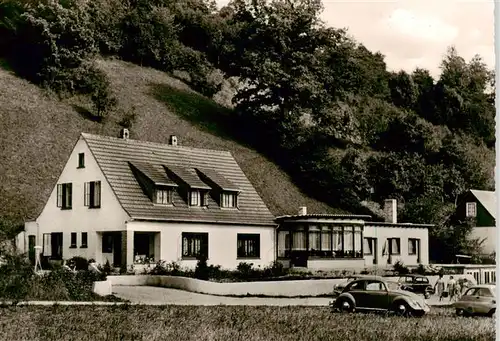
x=15, y=276
x=80, y=263
x=400, y=268
x=102, y=98
x=275, y=269
x=244, y=270
x=202, y=270
x=420, y=270
x=128, y=118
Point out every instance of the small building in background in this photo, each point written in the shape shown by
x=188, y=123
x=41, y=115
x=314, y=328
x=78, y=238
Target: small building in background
x=481, y=208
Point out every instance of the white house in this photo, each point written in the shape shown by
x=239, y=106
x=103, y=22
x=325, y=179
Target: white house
x=129, y=202
x=336, y=241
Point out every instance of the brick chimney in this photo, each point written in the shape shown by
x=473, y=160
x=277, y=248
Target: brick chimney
x=302, y=210
x=172, y=140
x=391, y=211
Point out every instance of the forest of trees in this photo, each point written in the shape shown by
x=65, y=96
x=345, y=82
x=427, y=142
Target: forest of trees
x=322, y=106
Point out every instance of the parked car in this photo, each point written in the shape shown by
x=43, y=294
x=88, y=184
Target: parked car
x=418, y=284
x=478, y=300
x=376, y=294
x=338, y=288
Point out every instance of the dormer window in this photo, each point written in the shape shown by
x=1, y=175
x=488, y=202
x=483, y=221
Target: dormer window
x=194, y=198
x=229, y=200
x=164, y=196
x=471, y=210
x=198, y=198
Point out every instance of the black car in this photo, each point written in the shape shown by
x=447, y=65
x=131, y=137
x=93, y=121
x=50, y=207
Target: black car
x=416, y=283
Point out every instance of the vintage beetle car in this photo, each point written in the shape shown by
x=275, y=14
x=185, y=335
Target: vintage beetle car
x=478, y=300
x=375, y=294
x=338, y=288
x=416, y=283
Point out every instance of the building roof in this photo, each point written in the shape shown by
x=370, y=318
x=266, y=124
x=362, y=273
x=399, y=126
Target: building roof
x=386, y=224
x=365, y=218
x=113, y=156
x=488, y=199
x=155, y=172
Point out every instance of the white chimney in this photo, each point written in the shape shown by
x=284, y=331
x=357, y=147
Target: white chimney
x=124, y=134
x=391, y=211
x=172, y=140
x=303, y=210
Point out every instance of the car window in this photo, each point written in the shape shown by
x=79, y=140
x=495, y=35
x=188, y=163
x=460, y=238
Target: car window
x=375, y=286
x=392, y=286
x=471, y=292
x=485, y=292
x=355, y=286
x=421, y=280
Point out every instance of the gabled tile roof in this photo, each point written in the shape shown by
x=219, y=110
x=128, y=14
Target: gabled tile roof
x=188, y=176
x=114, y=154
x=218, y=179
x=154, y=172
x=488, y=199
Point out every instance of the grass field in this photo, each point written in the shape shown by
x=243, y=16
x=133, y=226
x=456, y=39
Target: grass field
x=231, y=323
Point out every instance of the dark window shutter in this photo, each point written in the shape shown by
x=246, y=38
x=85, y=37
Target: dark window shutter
x=70, y=190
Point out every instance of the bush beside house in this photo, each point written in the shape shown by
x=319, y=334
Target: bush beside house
x=20, y=282
x=246, y=272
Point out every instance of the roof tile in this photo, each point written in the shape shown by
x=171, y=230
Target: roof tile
x=114, y=154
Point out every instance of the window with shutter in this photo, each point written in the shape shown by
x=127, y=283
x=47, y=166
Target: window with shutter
x=92, y=194
x=64, y=195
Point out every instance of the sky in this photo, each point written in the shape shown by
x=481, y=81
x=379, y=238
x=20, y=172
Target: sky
x=412, y=33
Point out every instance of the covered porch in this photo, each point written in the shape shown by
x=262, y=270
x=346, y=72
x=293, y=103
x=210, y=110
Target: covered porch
x=126, y=248
x=321, y=243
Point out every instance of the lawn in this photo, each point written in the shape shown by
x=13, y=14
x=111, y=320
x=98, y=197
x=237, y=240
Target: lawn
x=231, y=323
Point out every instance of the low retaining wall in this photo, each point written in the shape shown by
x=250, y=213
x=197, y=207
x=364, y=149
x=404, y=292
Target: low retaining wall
x=277, y=288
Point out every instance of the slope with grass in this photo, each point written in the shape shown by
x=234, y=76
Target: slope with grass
x=39, y=131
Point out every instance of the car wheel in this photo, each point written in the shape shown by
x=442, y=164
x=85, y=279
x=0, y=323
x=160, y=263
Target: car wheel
x=345, y=306
x=427, y=295
x=492, y=312
x=460, y=312
x=401, y=308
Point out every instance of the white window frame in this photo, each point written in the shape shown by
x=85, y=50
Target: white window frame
x=229, y=200
x=92, y=187
x=194, y=198
x=471, y=209
x=164, y=196
x=65, y=195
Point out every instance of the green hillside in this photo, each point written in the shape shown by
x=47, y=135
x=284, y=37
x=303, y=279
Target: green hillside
x=38, y=133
